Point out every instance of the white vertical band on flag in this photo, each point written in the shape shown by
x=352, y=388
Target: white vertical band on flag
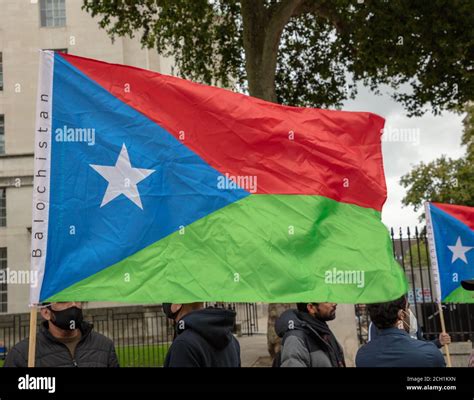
x=42, y=171
x=432, y=250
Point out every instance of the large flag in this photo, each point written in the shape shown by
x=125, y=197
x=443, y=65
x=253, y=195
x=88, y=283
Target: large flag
x=451, y=242
x=149, y=188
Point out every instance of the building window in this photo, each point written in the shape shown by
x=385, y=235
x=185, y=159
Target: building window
x=1, y=72
x=3, y=283
x=2, y=134
x=60, y=50
x=53, y=13
x=3, y=207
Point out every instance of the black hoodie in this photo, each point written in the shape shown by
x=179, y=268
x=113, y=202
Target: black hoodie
x=205, y=340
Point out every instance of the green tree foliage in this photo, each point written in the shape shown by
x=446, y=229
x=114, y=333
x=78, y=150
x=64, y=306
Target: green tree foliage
x=310, y=52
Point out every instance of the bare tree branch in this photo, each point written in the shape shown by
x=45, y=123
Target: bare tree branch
x=320, y=8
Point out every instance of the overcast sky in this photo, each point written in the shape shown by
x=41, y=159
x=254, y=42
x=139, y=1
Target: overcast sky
x=430, y=136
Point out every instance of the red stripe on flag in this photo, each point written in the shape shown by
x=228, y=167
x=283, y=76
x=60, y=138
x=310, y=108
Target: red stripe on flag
x=334, y=153
x=464, y=214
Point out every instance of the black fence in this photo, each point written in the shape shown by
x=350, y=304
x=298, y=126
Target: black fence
x=142, y=335
x=246, y=321
x=141, y=339
x=412, y=252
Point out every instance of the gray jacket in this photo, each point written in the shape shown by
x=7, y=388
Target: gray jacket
x=302, y=345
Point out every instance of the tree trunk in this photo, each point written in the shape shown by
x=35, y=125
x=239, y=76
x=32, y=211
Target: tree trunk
x=254, y=13
x=274, y=312
x=262, y=29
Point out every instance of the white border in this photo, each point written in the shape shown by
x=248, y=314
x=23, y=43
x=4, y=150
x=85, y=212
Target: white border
x=432, y=248
x=42, y=172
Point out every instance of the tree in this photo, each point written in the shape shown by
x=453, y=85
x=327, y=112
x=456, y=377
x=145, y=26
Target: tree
x=305, y=52
x=310, y=52
x=444, y=180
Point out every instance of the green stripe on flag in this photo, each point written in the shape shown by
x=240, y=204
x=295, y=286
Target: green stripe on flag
x=459, y=295
x=269, y=248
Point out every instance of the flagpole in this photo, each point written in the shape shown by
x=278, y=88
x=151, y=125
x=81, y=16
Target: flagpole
x=443, y=330
x=435, y=270
x=32, y=340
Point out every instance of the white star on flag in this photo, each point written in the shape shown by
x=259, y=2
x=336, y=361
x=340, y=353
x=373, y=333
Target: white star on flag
x=122, y=178
x=459, y=251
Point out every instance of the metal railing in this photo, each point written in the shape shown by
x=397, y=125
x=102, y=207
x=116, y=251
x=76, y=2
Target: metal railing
x=246, y=316
x=141, y=337
x=412, y=253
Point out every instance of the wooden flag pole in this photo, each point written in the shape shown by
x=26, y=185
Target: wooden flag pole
x=32, y=342
x=434, y=265
x=443, y=330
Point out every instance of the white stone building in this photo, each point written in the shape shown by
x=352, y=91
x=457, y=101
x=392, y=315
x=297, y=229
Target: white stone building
x=25, y=27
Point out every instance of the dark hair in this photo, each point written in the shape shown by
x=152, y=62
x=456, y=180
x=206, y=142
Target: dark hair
x=303, y=307
x=384, y=315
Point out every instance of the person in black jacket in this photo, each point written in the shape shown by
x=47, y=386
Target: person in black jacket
x=203, y=337
x=65, y=340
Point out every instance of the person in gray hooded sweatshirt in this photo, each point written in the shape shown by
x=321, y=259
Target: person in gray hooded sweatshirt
x=307, y=340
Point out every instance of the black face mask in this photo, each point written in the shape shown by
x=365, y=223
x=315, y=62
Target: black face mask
x=168, y=312
x=68, y=319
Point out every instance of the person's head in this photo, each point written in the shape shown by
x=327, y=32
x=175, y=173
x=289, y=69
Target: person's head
x=391, y=314
x=66, y=316
x=177, y=311
x=321, y=311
